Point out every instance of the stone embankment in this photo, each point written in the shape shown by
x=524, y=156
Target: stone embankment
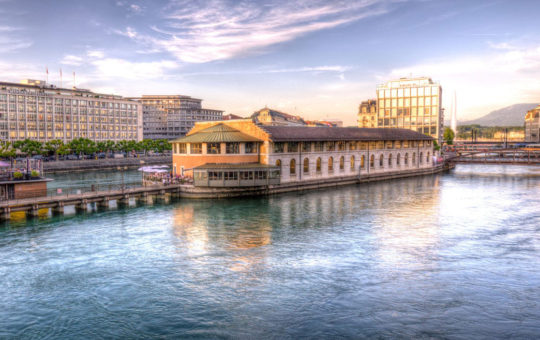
x=103, y=164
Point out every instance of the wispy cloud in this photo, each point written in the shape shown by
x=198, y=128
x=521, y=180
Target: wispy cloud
x=203, y=31
x=10, y=41
x=72, y=60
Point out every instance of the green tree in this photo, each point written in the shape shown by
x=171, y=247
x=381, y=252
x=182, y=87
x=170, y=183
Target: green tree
x=53, y=146
x=63, y=150
x=6, y=149
x=28, y=147
x=448, y=136
x=436, y=146
x=83, y=146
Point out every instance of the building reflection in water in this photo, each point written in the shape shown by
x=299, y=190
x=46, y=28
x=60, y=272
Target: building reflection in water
x=398, y=218
x=204, y=228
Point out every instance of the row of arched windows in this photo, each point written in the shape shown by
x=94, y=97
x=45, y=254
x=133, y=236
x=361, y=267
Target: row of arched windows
x=318, y=163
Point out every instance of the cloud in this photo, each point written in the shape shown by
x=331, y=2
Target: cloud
x=203, y=31
x=129, y=32
x=135, y=8
x=72, y=60
x=95, y=54
x=10, y=42
x=506, y=76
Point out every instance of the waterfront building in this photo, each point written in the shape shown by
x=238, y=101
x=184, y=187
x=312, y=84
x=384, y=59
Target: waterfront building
x=242, y=153
x=268, y=116
x=411, y=103
x=367, y=114
x=532, y=125
x=39, y=111
x=169, y=117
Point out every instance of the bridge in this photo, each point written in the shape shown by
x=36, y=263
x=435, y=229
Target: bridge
x=524, y=156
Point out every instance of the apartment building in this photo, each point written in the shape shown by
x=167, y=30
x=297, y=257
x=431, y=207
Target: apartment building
x=39, y=111
x=169, y=117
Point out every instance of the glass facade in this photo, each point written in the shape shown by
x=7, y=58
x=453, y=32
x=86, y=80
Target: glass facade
x=411, y=103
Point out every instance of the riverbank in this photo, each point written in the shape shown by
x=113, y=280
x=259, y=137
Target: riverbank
x=103, y=164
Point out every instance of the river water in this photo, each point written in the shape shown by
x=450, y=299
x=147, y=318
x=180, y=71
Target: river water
x=445, y=256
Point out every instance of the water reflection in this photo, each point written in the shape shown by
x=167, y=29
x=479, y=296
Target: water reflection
x=433, y=257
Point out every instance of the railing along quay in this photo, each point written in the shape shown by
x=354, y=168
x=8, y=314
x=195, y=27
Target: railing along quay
x=146, y=194
x=504, y=156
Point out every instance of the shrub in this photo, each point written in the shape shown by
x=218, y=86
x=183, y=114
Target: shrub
x=17, y=175
x=34, y=173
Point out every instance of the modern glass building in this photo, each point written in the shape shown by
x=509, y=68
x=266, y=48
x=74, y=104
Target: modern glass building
x=411, y=103
x=532, y=125
x=39, y=111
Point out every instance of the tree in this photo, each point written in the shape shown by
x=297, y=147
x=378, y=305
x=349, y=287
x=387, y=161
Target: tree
x=448, y=136
x=6, y=149
x=436, y=146
x=53, y=146
x=28, y=147
x=82, y=146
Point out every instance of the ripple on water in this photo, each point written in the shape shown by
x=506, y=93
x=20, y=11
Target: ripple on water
x=450, y=256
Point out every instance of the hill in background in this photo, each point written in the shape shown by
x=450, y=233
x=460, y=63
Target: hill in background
x=513, y=115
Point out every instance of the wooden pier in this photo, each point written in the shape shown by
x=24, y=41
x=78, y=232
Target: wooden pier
x=102, y=199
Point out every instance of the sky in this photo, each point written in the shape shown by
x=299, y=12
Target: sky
x=318, y=59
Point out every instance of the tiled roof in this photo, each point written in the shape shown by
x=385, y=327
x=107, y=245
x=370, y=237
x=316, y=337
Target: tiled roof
x=220, y=133
x=302, y=133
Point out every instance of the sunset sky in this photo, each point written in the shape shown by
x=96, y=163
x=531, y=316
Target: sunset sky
x=319, y=59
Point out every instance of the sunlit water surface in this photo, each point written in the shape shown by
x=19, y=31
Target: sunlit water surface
x=447, y=256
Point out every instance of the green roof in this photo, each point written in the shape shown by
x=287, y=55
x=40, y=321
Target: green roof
x=219, y=133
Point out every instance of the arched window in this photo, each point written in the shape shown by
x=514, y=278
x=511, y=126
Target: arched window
x=306, y=165
x=342, y=163
x=372, y=161
x=319, y=163
x=330, y=164
x=362, y=162
x=421, y=157
x=381, y=161
x=406, y=161
x=293, y=167
x=427, y=158
x=278, y=163
x=352, y=163
x=390, y=160
x=413, y=158
x=398, y=159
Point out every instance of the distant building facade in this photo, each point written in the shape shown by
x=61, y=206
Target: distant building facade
x=367, y=114
x=532, y=125
x=272, y=117
x=411, y=103
x=36, y=110
x=169, y=117
x=232, y=116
